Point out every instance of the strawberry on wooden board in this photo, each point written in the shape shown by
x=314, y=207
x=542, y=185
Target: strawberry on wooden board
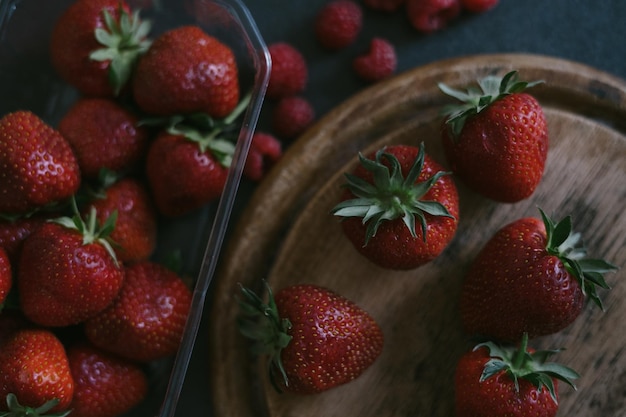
x=38, y=165
x=496, y=139
x=68, y=271
x=493, y=380
x=95, y=44
x=315, y=339
x=389, y=193
x=105, y=385
x=187, y=71
x=103, y=134
x=6, y=276
x=147, y=320
x=34, y=374
x=531, y=277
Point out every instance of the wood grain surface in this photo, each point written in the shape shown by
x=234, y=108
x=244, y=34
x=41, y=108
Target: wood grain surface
x=287, y=235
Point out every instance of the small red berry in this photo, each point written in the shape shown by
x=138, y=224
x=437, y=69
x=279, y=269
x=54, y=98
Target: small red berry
x=478, y=6
x=289, y=73
x=431, y=15
x=265, y=150
x=292, y=115
x=338, y=24
x=378, y=63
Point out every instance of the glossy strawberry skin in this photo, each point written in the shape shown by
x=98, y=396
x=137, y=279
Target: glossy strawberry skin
x=515, y=286
x=194, y=72
x=147, y=320
x=38, y=165
x=334, y=340
x=6, y=278
x=63, y=282
x=501, y=152
x=34, y=367
x=496, y=396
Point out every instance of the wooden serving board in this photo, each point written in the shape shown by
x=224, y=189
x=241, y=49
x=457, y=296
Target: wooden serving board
x=287, y=235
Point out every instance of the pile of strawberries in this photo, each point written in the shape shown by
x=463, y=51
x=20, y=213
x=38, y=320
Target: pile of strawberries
x=84, y=307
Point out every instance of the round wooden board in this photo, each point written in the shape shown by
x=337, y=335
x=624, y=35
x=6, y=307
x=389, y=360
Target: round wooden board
x=287, y=235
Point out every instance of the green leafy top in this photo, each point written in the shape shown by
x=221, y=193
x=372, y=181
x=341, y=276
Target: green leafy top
x=562, y=242
x=123, y=42
x=518, y=363
x=391, y=196
x=15, y=409
x=474, y=100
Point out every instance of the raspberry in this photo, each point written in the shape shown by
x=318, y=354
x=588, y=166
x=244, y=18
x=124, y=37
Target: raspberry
x=265, y=151
x=384, y=5
x=478, y=6
x=289, y=72
x=338, y=24
x=431, y=15
x=291, y=117
x=379, y=62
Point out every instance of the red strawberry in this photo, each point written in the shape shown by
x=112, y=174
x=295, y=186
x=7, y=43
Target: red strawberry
x=135, y=231
x=338, y=24
x=531, y=277
x=289, y=72
x=292, y=116
x=497, y=140
x=384, y=5
x=103, y=135
x=147, y=320
x=315, y=338
x=265, y=150
x=479, y=6
x=95, y=45
x=37, y=164
x=6, y=277
x=432, y=15
x=194, y=72
x=13, y=233
x=387, y=194
x=494, y=380
x=378, y=63
x=34, y=373
x=104, y=385
x=68, y=272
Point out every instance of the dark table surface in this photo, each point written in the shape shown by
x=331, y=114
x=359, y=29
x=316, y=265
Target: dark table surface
x=587, y=31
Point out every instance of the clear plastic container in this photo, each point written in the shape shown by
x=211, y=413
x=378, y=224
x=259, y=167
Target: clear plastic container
x=28, y=82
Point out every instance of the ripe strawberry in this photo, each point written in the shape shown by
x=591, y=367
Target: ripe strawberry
x=37, y=164
x=531, y=277
x=384, y=5
x=289, y=72
x=147, y=320
x=292, y=116
x=429, y=16
x=194, y=72
x=378, y=63
x=95, y=44
x=479, y=6
x=68, y=271
x=386, y=194
x=338, y=24
x=6, y=276
x=103, y=134
x=34, y=373
x=104, y=385
x=264, y=151
x=316, y=339
x=494, y=380
x=497, y=140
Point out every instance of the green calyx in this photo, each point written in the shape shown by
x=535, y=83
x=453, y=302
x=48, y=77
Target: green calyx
x=269, y=333
x=474, y=100
x=563, y=243
x=15, y=409
x=518, y=363
x=391, y=196
x=123, y=42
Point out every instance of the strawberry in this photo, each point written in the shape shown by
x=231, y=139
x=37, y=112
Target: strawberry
x=103, y=134
x=194, y=72
x=386, y=194
x=292, y=116
x=479, y=6
x=13, y=232
x=315, y=338
x=497, y=140
x=34, y=374
x=338, y=23
x=265, y=151
x=6, y=276
x=37, y=164
x=494, y=380
x=95, y=45
x=378, y=63
x=384, y=5
x=531, y=277
x=429, y=16
x=104, y=385
x=68, y=271
x=147, y=320
x=289, y=72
